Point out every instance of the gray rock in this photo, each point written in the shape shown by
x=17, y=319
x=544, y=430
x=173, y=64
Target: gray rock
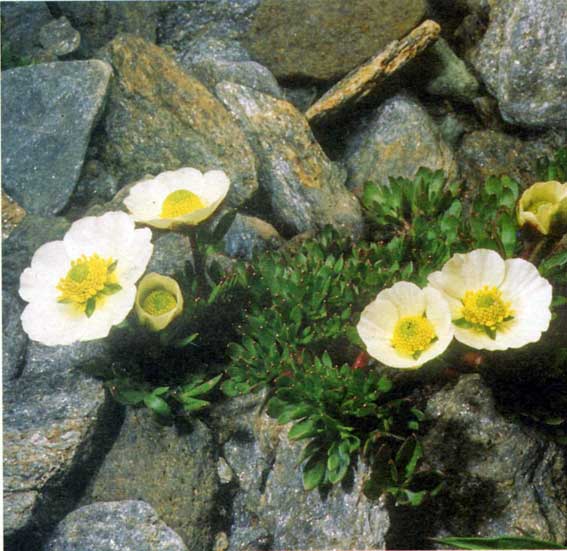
x=523, y=61
x=160, y=118
x=324, y=39
x=173, y=471
x=96, y=185
x=452, y=130
x=270, y=505
x=502, y=478
x=14, y=339
x=21, y=23
x=59, y=37
x=302, y=97
x=113, y=526
x=56, y=420
x=48, y=114
x=397, y=140
x=249, y=235
x=212, y=60
x=487, y=153
x=450, y=75
x=171, y=252
x=186, y=21
x=100, y=22
x=305, y=188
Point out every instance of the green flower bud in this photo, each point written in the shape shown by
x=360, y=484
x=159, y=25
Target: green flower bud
x=544, y=206
x=158, y=301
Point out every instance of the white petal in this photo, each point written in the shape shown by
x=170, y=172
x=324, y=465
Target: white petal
x=385, y=353
x=478, y=340
x=145, y=200
x=133, y=256
x=468, y=272
x=523, y=284
x=407, y=297
x=377, y=320
x=180, y=178
x=51, y=323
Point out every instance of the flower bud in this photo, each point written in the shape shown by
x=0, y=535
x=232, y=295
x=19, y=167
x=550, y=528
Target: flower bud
x=158, y=301
x=544, y=206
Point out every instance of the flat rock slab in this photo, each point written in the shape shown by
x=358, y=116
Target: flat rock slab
x=173, y=472
x=306, y=190
x=54, y=418
x=325, y=39
x=114, y=526
x=366, y=79
x=395, y=142
x=160, y=118
x=523, y=61
x=48, y=114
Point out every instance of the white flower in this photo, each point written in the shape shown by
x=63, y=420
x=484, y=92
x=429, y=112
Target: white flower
x=406, y=326
x=180, y=197
x=80, y=287
x=495, y=304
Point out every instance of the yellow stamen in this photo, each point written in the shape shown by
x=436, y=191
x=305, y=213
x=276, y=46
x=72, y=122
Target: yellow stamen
x=159, y=302
x=413, y=335
x=180, y=202
x=485, y=307
x=86, y=278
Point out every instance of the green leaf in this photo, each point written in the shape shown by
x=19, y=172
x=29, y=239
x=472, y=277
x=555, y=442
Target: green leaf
x=501, y=542
x=408, y=456
x=160, y=390
x=182, y=343
x=413, y=498
x=292, y=412
x=462, y=322
x=131, y=396
x=157, y=405
x=90, y=307
x=111, y=289
x=190, y=390
x=303, y=429
x=112, y=267
x=193, y=404
x=508, y=228
x=314, y=473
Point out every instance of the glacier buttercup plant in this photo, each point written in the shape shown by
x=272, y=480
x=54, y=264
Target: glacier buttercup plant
x=183, y=197
x=406, y=326
x=495, y=304
x=544, y=207
x=78, y=288
x=158, y=302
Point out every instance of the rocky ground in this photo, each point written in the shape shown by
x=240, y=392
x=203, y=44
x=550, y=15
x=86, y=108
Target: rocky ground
x=119, y=90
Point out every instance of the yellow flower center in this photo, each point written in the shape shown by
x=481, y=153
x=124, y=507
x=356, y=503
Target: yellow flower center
x=485, y=307
x=535, y=206
x=180, y=202
x=86, y=279
x=159, y=302
x=413, y=335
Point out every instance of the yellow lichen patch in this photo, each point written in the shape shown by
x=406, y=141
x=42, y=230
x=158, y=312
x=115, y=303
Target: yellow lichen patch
x=485, y=307
x=413, y=335
x=87, y=277
x=159, y=302
x=179, y=203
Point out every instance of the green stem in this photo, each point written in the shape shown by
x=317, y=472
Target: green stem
x=198, y=262
x=538, y=251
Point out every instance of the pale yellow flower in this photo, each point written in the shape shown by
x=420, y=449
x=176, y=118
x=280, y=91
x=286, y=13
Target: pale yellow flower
x=495, y=304
x=78, y=288
x=406, y=326
x=183, y=197
x=158, y=301
x=544, y=206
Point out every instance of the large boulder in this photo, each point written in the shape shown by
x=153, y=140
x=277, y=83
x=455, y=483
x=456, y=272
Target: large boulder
x=398, y=139
x=172, y=470
x=123, y=525
x=305, y=189
x=523, y=61
x=48, y=114
x=160, y=118
x=501, y=477
x=324, y=39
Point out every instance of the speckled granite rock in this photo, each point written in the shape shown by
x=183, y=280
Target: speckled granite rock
x=325, y=39
x=249, y=235
x=59, y=37
x=212, y=60
x=173, y=471
x=114, y=526
x=14, y=340
x=306, y=190
x=55, y=419
x=100, y=22
x=523, y=61
x=160, y=118
x=187, y=21
x=501, y=478
x=270, y=506
x=396, y=141
x=48, y=114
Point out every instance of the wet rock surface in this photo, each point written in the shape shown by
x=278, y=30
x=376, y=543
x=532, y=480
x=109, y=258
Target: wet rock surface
x=397, y=140
x=249, y=235
x=324, y=39
x=160, y=118
x=123, y=525
x=522, y=60
x=489, y=458
x=305, y=189
x=170, y=468
x=41, y=169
